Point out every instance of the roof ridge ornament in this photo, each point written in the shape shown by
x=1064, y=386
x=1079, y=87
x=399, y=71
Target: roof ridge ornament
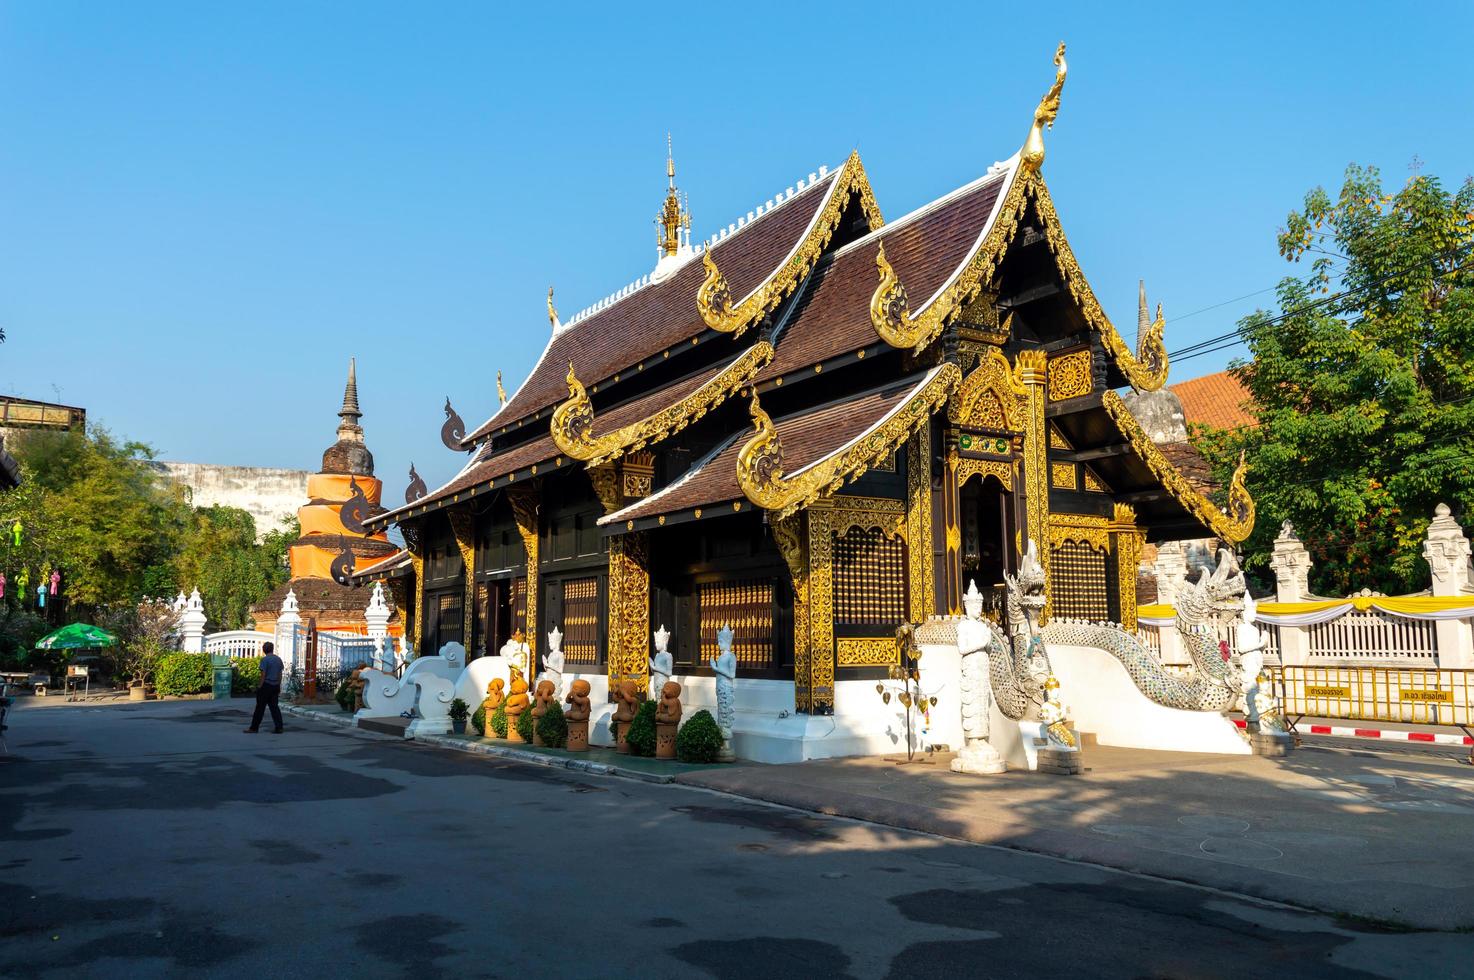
x=453, y=431
x=501, y=393
x=714, y=299
x=1150, y=349
x=553, y=311
x=1031, y=158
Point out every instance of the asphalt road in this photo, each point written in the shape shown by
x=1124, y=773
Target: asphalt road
x=158, y=840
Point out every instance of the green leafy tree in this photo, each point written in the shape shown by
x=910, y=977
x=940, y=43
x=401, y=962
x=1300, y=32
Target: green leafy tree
x=1363, y=386
x=220, y=556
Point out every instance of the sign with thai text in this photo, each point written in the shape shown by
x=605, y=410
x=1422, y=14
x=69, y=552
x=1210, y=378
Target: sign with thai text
x=1321, y=691
x=1444, y=697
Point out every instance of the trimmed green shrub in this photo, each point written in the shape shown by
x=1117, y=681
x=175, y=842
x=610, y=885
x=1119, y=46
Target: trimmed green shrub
x=552, y=727
x=699, y=740
x=524, y=724
x=247, y=676
x=478, y=721
x=499, y=721
x=344, y=695
x=183, y=673
x=459, y=709
x=641, y=737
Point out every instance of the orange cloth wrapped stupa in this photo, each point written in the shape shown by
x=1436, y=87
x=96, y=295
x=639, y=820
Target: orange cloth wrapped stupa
x=334, y=543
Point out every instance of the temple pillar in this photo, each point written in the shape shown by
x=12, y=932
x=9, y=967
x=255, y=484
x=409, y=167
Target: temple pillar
x=820, y=680
x=952, y=528
x=1031, y=368
x=629, y=609
x=1291, y=564
x=192, y=624
x=524, y=511
x=285, y=631
x=463, y=526
x=376, y=615
x=792, y=542
x=918, y=526
x=1127, y=545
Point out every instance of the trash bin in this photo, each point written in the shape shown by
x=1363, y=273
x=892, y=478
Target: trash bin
x=224, y=672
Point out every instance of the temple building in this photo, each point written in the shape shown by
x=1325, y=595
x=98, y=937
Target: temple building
x=334, y=540
x=814, y=426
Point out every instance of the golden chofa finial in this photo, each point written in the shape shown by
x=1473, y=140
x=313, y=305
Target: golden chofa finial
x=1032, y=155
x=673, y=218
x=552, y=310
x=501, y=393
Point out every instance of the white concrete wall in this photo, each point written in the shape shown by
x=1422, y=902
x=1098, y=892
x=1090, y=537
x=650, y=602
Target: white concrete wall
x=271, y=496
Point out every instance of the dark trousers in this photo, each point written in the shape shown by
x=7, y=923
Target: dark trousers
x=266, y=696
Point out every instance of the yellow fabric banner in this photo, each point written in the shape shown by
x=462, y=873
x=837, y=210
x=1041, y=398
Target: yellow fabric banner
x=1391, y=604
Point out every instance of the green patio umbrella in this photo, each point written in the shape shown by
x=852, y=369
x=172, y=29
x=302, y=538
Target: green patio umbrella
x=77, y=636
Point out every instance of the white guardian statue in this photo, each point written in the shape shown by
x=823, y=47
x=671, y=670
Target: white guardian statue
x=724, y=665
x=661, y=665
x=973, y=637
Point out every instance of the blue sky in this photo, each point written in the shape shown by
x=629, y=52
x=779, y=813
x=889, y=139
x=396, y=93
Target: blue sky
x=206, y=208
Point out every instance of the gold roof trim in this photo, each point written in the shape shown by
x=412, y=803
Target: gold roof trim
x=760, y=462
x=989, y=396
x=1233, y=526
x=1146, y=368
x=573, y=421
x=1031, y=157
x=714, y=296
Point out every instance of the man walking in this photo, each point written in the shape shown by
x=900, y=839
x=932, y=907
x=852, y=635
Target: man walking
x=269, y=691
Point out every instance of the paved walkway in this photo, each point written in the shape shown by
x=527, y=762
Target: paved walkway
x=157, y=840
x=1384, y=836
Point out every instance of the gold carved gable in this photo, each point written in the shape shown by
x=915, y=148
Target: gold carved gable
x=989, y=396
x=1069, y=375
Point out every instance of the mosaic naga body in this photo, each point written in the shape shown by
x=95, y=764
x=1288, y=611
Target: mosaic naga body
x=1215, y=598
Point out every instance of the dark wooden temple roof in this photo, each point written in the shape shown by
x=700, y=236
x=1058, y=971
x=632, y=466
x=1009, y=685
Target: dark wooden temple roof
x=832, y=317
x=489, y=465
x=808, y=437
x=661, y=314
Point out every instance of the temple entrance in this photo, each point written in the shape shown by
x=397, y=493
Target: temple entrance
x=986, y=509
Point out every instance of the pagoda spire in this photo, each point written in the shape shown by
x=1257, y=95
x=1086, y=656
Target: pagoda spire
x=349, y=414
x=674, y=220
x=1143, y=321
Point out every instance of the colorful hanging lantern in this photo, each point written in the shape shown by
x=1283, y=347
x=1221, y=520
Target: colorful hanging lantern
x=15, y=532
x=2, y=585
x=41, y=597
x=55, y=580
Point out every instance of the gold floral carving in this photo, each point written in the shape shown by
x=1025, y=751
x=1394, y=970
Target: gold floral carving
x=524, y=512
x=1129, y=541
x=462, y=525
x=573, y=420
x=1233, y=526
x=1062, y=475
x=1094, y=483
x=607, y=486
x=989, y=397
x=1085, y=528
x=1000, y=470
x=418, y=561
x=821, y=608
x=638, y=472
x=1145, y=369
x=760, y=462
x=714, y=296
x=1069, y=375
x=919, y=525
x=1031, y=369
x=866, y=651
x=1031, y=157
x=1056, y=440
x=629, y=609
x=788, y=534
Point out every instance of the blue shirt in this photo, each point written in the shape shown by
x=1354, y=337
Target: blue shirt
x=271, y=668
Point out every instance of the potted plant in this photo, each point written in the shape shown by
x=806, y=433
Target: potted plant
x=459, y=711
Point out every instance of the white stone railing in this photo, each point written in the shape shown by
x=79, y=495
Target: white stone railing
x=237, y=644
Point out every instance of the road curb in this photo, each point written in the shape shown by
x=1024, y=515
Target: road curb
x=345, y=720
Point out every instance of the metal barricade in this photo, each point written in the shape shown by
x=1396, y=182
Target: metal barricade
x=1414, y=695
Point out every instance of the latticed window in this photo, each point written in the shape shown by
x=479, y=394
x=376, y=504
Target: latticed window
x=869, y=579
x=581, y=620
x=747, y=606
x=519, y=603
x=449, y=625
x=1080, y=582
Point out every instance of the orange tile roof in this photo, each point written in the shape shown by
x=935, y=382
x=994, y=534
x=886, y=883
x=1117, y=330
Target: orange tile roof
x=1218, y=400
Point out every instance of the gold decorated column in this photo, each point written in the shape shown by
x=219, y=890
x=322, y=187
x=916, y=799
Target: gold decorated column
x=1128, y=541
x=952, y=518
x=462, y=525
x=1031, y=369
x=790, y=537
x=629, y=609
x=821, y=610
x=524, y=512
x=918, y=525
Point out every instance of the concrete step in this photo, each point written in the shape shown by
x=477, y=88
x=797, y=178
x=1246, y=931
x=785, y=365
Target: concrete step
x=385, y=726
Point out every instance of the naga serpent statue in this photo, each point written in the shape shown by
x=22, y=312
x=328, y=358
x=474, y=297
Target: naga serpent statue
x=1017, y=663
x=1214, y=599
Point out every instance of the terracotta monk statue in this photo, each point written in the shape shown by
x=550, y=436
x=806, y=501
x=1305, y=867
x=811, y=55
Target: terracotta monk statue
x=628, y=697
x=578, y=701
x=546, y=692
x=668, y=709
x=518, y=700
x=494, y=695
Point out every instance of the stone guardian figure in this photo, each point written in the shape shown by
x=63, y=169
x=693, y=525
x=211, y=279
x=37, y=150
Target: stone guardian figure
x=553, y=661
x=661, y=665
x=973, y=635
x=724, y=665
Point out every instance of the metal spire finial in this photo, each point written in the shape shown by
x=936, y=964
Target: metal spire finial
x=350, y=393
